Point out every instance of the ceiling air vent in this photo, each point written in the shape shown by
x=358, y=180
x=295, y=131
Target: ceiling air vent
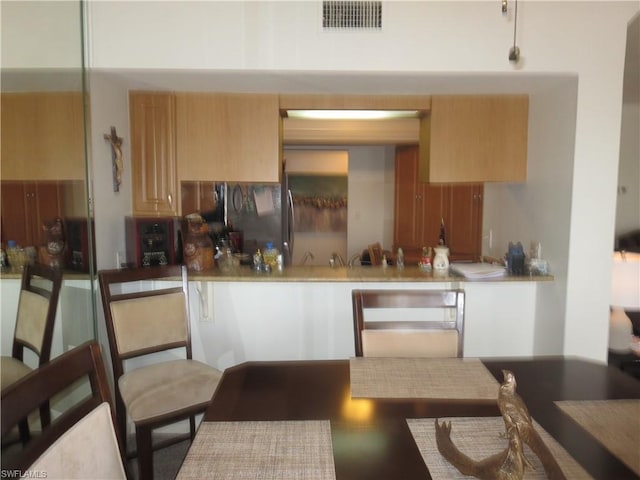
x=337, y=15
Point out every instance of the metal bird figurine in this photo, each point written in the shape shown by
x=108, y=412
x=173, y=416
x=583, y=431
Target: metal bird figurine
x=507, y=465
x=510, y=464
x=516, y=415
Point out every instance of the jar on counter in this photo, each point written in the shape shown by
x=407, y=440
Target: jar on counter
x=15, y=255
x=425, y=259
x=441, y=258
x=197, y=246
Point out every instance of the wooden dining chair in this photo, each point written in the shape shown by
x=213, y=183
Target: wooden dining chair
x=408, y=323
x=79, y=443
x=37, y=307
x=147, y=312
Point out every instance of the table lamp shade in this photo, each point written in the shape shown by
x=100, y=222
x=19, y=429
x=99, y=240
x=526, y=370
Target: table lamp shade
x=625, y=284
x=625, y=295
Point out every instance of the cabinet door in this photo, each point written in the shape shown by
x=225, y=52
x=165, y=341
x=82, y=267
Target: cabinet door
x=47, y=199
x=26, y=207
x=408, y=202
x=433, y=208
x=42, y=136
x=198, y=197
x=229, y=137
x=153, y=164
x=14, y=213
x=477, y=138
x=464, y=221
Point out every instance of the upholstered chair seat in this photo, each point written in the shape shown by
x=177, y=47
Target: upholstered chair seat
x=167, y=387
x=12, y=369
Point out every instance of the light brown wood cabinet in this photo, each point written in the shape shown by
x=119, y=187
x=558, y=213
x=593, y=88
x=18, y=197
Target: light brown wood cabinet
x=42, y=136
x=475, y=138
x=153, y=153
x=26, y=207
x=229, y=137
x=421, y=207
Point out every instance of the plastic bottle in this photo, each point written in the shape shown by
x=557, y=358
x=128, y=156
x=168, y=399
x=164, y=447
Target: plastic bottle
x=257, y=260
x=270, y=255
x=400, y=259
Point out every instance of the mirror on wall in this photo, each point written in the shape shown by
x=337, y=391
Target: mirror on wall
x=44, y=187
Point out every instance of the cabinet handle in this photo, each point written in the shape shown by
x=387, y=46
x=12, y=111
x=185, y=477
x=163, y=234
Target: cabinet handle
x=170, y=198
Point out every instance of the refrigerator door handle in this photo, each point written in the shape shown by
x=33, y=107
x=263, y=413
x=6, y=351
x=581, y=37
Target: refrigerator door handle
x=291, y=222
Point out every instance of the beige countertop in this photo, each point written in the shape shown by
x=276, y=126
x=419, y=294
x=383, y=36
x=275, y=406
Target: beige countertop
x=321, y=274
x=346, y=274
x=13, y=273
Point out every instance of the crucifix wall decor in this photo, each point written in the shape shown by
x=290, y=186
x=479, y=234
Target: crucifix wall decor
x=116, y=157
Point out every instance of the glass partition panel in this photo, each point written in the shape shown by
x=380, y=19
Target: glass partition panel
x=44, y=169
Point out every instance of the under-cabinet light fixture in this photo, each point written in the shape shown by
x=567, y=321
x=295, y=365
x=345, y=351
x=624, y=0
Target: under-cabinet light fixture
x=352, y=114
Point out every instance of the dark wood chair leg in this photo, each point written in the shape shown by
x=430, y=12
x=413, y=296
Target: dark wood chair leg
x=121, y=420
x=145, y=453
x=25, y=435
x=192, y=427
x=45, y=415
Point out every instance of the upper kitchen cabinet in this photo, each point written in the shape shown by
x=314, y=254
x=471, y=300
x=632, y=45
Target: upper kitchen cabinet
x=153, y=157
x=42, y=136
x=26, y=207
x=420, y=209
x=229, y=137
x=475, y=138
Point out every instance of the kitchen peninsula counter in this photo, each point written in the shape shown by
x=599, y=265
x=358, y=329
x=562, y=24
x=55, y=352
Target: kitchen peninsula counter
x=346, y=274
x=306, y=312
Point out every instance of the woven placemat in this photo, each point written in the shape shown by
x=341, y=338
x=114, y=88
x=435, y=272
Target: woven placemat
x=441, y=378
x=278, y=450
x=614, y=423
x=479, y=438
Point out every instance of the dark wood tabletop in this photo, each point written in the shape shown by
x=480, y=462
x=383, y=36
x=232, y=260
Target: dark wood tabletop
x=379, y=445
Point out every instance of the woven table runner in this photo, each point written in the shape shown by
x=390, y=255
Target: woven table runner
x=614, y=423
x=436, y=378
x=277, y=450
x=479, y=438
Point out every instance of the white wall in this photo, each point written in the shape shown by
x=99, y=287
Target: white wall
x=425, y=42
x=45, y=34
x=109, y=107
x=371, y=189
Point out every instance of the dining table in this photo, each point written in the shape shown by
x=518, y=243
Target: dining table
x=373, y=418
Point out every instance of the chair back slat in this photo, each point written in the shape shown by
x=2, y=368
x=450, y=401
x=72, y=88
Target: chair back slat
x=409, y=337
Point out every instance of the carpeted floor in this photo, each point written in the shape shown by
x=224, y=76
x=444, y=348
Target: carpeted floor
x=166, y=462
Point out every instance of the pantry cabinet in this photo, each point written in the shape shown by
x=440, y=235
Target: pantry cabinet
x=420, y=208
x=26, y=207
x=229, y=137
x=153, y=153
x=42, y=136
x=475, y=138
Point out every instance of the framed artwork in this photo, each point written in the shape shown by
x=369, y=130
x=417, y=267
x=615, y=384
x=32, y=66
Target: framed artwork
x=320, y=202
